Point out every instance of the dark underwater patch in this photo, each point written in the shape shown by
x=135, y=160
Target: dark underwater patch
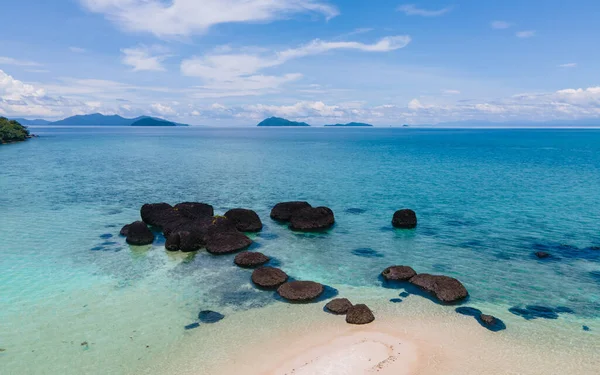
x=268, y=236
x=106, y=236
x=367, y=252
x=209, y=316
x=476, y=313
x=396, y=300
x=355, y=211
x=192, y=326
x=532, y=312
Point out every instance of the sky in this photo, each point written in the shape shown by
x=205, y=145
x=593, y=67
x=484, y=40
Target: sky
x=236, y=62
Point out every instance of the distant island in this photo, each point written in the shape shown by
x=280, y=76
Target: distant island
x=97, y=119
x=277, y=121
x=12, y=131
x=352, y=124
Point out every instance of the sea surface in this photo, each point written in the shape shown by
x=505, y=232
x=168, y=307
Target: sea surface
x=76, y=299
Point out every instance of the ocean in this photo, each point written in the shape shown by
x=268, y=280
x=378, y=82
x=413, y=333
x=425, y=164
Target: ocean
x=76, y=298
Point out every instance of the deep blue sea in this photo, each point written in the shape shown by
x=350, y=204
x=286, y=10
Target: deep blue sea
x=486, y=200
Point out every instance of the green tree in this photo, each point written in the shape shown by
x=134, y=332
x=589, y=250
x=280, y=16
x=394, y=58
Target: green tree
x=12, y=131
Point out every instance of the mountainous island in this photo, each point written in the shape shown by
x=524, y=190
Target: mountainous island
x=12, y=131
x=351, y=124
x=98, y=119
x=278, y=121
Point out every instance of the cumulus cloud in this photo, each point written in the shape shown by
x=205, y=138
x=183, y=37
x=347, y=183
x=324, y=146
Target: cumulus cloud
x=11, y=61
x=413, y=10
x=525, y=34
x=144, y=58
x=186, y=17
x=568, y=65
x=499, y=25
x=162, y=109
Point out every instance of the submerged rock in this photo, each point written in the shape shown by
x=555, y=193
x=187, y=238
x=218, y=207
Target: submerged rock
x=404, y=219
x=245, y=220
x=269, y=277
x=444, y=288
x=542, y=254
x=227, y=242
x=284, y=211
x=312, y=219
x=208, y=316
x=300, y=291
x=192, y=326
x=339, y=306
x=487, y=319
x=138, y=234
x=398, y=273
x=359, y=314
x=249, y=259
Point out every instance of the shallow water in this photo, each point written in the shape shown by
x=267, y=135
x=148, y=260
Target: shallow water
x=486, y=201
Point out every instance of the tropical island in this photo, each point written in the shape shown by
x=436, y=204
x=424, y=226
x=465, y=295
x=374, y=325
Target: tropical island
x=278, y=121
x=351, y=124
x=98, y=119
x=12, y=131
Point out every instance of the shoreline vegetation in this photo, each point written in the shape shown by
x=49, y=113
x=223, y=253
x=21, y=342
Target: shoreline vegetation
x=12, y=131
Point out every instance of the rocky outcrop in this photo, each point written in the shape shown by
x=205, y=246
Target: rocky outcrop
x=194, y=210
x=404, y=219
x=312, y=219
x=269, y=277
x=445, y=289
x=338, y=306
x=138, y=234
x=283, y=211
x=359, y=314
x=245, y=220
x=487, y=319
x=226, y=242
x=173, y=241
x=125, y=230
x=249, y=259
x=300, y=291
x=398, y=273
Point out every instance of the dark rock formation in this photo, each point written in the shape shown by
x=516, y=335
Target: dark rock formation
x=338, y=306
x=220, y=224
x=312, y=219
x=444, y=288
x=194, y=210
x=208, y=316
x=226, y=242
x=405, y=219
x=173, y=241
x=542, y=255
x=159, y=214
x=245, y=220
x=283, y=211
x=398, y=273
x=189, y=241
x=359, y=314
x=487, y=319
x=269, y=277
x=300, y=291
x=249, y=259
x=138, y=234
x=125, y=230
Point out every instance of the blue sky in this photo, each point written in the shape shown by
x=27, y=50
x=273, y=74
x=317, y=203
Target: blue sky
x=234, y=62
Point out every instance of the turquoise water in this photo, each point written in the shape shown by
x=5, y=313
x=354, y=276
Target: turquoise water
x=486, y=200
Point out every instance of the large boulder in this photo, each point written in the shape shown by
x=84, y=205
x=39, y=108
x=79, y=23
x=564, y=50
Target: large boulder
x=220, y=224
x=190, y=241
x=359, y=314
x=138, y=234
x=444, y=288
x=194, y=210
x=398, y=273
x=339, y=306
x=405, y=219
x=249, y=259
x=283, y=211
x=312, y=219
x=226, y=242
x=159, y=214
x=125, y=230
x=269, y=277
x=245, y=220
x=300, y=291
x=173, y=241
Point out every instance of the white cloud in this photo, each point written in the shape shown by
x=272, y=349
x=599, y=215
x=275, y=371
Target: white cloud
x=525, y=34
x=451, y=92
x=77, y=50
x=187, y=17
x=162, y=110
x=413, y=10
x=569, y=65
x=498, y=25
x=12, y=61
x=143, y=58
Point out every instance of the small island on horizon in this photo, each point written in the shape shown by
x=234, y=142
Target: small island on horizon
x=351, y=124
x=280, y=122
x=98, y=119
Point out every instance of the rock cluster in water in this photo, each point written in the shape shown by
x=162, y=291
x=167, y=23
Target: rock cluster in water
x=300, y=291
x=303, y=217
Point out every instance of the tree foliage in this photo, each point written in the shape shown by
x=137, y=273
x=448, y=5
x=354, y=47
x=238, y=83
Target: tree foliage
x=12, y=131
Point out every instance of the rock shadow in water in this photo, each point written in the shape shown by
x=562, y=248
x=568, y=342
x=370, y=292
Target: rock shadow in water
x=396, y=300
x=531, y=312
x=355, y=211
x=209, y=316
x=106, y=236
x=367, y=252
x=476, y=313
x=410, y=289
